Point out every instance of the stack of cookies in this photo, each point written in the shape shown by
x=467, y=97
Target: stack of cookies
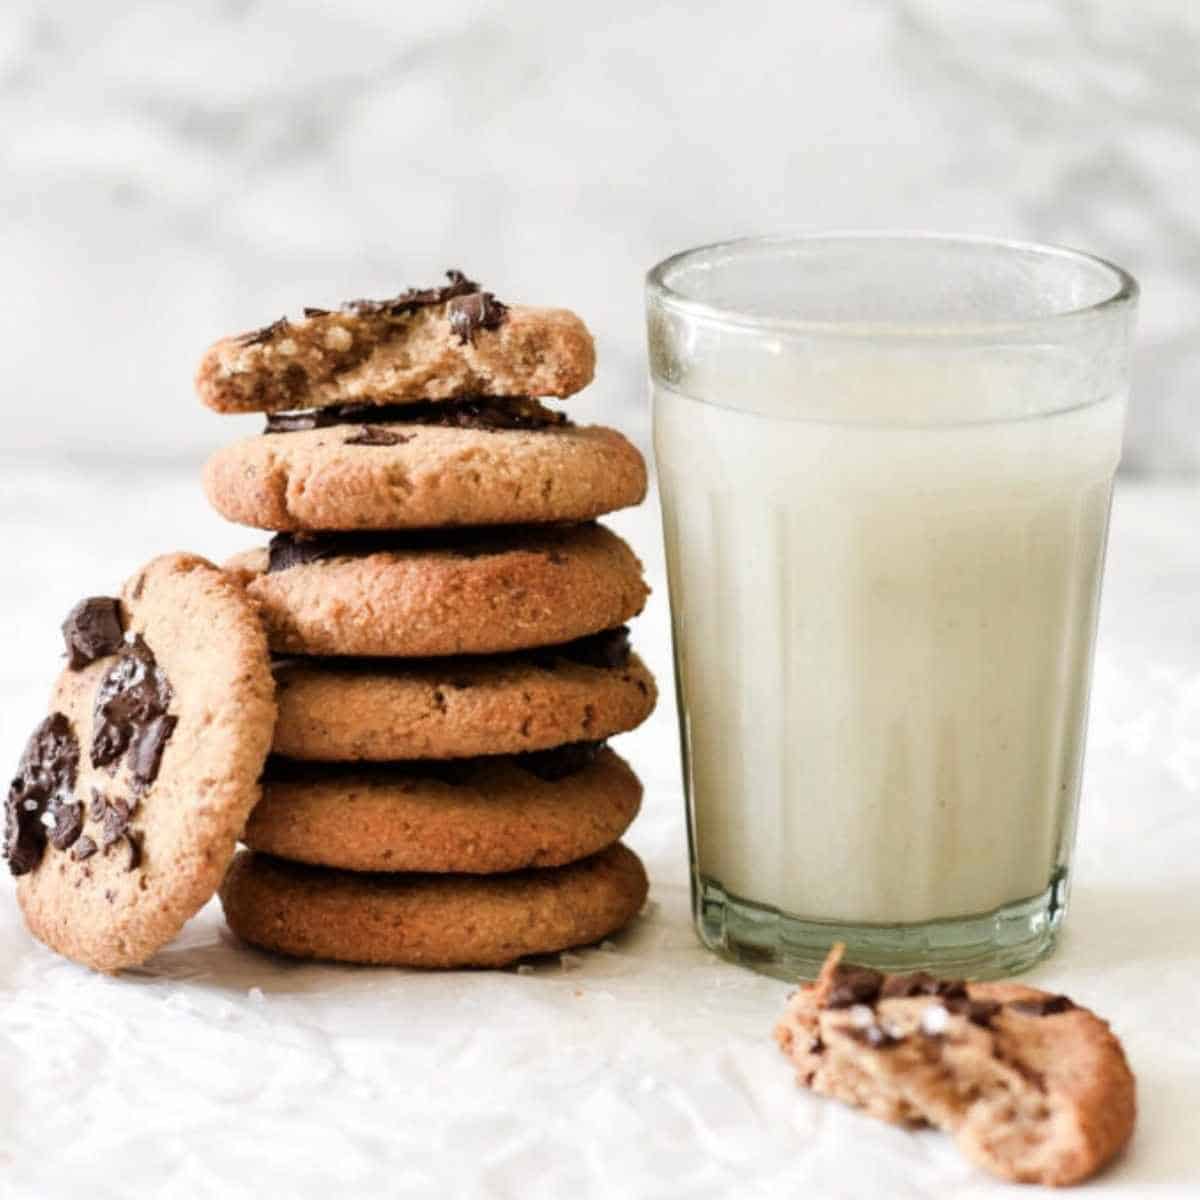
x=449, y=629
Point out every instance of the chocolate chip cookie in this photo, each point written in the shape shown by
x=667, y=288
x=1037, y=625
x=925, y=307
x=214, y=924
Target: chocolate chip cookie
x=338, y=710
x=430, y=920
x=130, y=796
x=1033, y=1087
x=476, y=816
x=424, y=344
x=422, y=476
x=445, y=592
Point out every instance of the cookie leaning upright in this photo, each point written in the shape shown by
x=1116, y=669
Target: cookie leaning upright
x=131, y=794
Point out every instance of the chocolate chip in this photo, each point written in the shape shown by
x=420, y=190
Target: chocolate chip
x=84, y=848
x=309, y=311
x=145, y=756
x=921, y=984
x=469, y=314
x=609, y=648
x=133, y=694
x=288, y=550
x=68, y=825
x=876, y=1037
x=134, y=843
x=978, y=1012
x=45, y=777
x=293, y=422
x=854, y=985
x=475, y=412
x=258, y=337
x=92, y=630
x=115, y=823
x=377, y=435
x=1044, y=1006
x=561, y=761
x=97, y=806
x=414, y=298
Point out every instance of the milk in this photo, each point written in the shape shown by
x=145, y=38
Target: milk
x=883, y=624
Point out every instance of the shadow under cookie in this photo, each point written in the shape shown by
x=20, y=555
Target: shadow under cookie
x=380, y=710
x=477, y=816
x=413, y=596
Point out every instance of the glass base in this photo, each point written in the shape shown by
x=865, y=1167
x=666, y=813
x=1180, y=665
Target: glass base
x=985, y=946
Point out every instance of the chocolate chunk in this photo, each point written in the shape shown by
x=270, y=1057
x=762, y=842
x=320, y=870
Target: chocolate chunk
x=145, y=756
x=876, y=1037
x=309, y=311
x=377, y=435
x=294, y=422
x=469, y=314
x=258, y=337
x=287, y=550
x=92, y=630
x=68, y=825
x=609, y=648
x=84, y=848
x=921, y=984
x=294, y=550
x=1046, y=1006
x=978, y=1012
x=133, y=842
x=414, y=298
x=98, y=804
x=475, y=412
x=854, y=985
x=45, y=777
x=133, y=694
x=115, y=823
x=561, y=761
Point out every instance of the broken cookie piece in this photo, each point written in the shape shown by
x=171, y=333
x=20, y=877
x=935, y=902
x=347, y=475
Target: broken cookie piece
x=1031, y=1086
x=437, y=343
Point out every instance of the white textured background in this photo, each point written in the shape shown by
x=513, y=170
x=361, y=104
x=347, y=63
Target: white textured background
x=169, y=171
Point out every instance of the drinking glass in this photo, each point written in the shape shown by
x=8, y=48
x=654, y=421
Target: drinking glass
x=886, y=464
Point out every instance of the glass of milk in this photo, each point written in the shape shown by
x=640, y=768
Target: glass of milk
x=885, y=465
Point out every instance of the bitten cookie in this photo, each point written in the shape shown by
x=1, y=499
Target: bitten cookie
x=430, y=343
x=130, y=797
x=477, y=816
x=430, y=920
x=333, y=710
x=411, y=596
x=402, y=476
x=1033, y=1087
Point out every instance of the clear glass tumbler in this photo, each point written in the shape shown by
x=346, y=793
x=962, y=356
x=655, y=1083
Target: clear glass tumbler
x=886, y=464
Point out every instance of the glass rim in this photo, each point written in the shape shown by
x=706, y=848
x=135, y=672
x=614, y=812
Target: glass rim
x=1123, y=293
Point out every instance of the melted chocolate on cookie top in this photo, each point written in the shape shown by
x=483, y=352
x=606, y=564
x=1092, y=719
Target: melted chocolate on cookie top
x=471, y=412
x=468, y=307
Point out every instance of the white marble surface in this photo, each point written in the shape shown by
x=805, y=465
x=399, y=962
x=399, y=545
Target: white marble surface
x=169, y=168
x=642, y=1069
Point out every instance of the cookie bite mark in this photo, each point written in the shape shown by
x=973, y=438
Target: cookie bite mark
x=1033, y=1087
x=425, y=344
